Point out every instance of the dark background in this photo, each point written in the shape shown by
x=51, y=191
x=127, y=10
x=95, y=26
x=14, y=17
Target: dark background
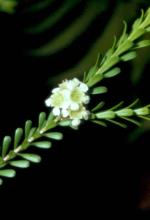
x=91, y=172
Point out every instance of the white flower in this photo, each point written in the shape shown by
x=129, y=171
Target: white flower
x=58, y=99
x=77, y=116
x=77, y=97
x=76, y=93
x=68, y=100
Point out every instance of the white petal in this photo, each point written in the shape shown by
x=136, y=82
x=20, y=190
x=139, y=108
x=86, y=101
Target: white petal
x=55, y=90
x=86, y=99
x=66, y=94
x=56, y=111
x=75, y=122
x=74, y=106
x=83, y=87
x=76, y=81
x=86, y=115
x=63, y=85
x=65, y=113
x=48, y=102
x=70, y=85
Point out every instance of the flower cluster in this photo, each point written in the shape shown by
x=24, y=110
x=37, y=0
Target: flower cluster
x=68, y=100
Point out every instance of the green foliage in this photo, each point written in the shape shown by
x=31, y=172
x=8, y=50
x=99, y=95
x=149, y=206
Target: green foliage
x=52, y=18
x=8, y=5
x=69, y=34
x=116, y=113
x=23, y=139
x=8, y=173
x=5, y=145
x=18, y=136
x=54, y=135
x=122, y=50
x=99, y=90
x=31, y=157
x=20, y=163
x=42, y=144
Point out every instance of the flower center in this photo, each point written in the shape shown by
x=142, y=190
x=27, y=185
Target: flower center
x=58, y=99
x=76, y=95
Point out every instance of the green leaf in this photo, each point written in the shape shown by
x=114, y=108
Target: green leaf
x=136, y=24
x=108, y=64
x=42, y=144
x=125, y=112
x=28, y=126
x=8, y=173
x=99, y=57
x=124, y=35
x=20, y=163
x=117, y=106
x=31, y=157
x=137, y=33
x=64, y=123
x=95, y=79
x=5, y=146
x=115, y=71
x=101, y=123
x=138, y=21
x=142, y=111
x=2, y=165
x=144, y=117
x=99, y=90
x=32, y=131
x=126, y=45
x=98, y=106
x=91, y=72
x=143, y=43
x=133, y=103
x=131, y=120
x=54, y=135
x=128, y=56
x=12, y=154
x=148, y=29
x=18, y=136
x=146, y=21
x=1, y=181
x=42, y=118
x=1, y=160
x=50, y=117
x=117, y=123
x=50, y=123
x=110, y=51
x=105, y=115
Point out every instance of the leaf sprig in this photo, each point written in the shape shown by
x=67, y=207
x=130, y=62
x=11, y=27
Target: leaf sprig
x=12, y=151
x=118, y=112
x=122, y=50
